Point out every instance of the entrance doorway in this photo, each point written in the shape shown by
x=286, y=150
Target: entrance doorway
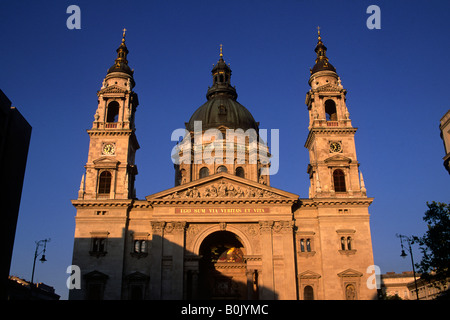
x=222, y=267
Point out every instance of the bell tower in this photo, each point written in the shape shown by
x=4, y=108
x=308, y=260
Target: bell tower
x=333, y=169
x=110, y=169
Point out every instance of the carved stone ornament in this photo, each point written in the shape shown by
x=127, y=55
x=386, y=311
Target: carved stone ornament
x=222, y=190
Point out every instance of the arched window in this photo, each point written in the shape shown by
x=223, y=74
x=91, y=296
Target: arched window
x=240, y=172
x=342, y=243
x=104, y=183
x=308, y=245
x=204, y=172
x=349, y=243
x=330, y=110
x=113, y=112
x=339, y=180
x=222, y=169
x=302, y=245
x=140, y=246
x=308, y=293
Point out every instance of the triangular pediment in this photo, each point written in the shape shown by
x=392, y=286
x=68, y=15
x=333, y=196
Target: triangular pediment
x=222, y=187
x=338, y=158
x=106, y=162
x=309, y=275
x=113, y=89
x=350, y=273
x=329, y=87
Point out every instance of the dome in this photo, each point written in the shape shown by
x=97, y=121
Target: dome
x=121, y=63
x=122, y=67
x=323, y=65
x=223, y=111
x=322, y=62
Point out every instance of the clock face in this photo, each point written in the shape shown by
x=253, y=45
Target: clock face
x=109, y=148
x=335, y=147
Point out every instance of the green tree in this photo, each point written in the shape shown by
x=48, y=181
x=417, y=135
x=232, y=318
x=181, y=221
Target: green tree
x=435, y=244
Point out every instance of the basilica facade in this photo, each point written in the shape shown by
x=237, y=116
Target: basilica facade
x=223, y=231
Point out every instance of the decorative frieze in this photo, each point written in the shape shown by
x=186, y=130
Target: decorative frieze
x=222, y=190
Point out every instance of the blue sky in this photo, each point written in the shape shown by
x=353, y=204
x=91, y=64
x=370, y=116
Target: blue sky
x=396, y=77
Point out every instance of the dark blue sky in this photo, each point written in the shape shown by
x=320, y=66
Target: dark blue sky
x=396, y=77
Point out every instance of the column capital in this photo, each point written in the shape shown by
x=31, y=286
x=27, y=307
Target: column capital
x=265, y=226
x=158, y=227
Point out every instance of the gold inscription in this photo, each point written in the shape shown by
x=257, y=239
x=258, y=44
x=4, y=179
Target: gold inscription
x=222, y=210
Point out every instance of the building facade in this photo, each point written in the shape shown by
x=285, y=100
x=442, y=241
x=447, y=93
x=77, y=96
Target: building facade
x=444, y=127
x=223, y=232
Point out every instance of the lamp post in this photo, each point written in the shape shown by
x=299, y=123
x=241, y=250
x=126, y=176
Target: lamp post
x=36, y=254
x=403, y=255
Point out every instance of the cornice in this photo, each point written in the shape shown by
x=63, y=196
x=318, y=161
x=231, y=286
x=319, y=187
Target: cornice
x=316, y=202
x=216, y=201
x=102, y=203
x=327, y=131
x=110, y=132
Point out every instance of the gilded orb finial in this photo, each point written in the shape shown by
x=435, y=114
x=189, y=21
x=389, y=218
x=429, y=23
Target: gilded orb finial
x=123, y=36
x=318, y=33
x=221, y=54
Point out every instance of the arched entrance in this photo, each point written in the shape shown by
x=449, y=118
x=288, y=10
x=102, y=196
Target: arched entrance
x=222, y=268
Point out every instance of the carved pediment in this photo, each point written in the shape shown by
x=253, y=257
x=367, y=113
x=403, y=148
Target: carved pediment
x=329, y=88
x=112, y=89
x=309, y=275
x=350, y=273
x=106, y=162
x=222, y=187
x=338, y=159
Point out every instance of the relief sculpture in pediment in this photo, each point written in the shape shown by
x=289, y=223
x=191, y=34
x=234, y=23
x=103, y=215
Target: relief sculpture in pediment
x=222, y=190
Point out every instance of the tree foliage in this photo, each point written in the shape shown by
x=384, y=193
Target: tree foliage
x=435, y=243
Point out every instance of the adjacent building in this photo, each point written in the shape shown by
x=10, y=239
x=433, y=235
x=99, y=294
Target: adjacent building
x=15, y=134
x=445, y=135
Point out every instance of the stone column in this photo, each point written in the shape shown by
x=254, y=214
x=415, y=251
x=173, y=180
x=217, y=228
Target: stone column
x=156, y=259
x=267, y=292
x=284, y=230
x=178, y=259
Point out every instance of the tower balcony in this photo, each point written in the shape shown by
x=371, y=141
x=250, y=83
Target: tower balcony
x=111, y=125
x=323, y=123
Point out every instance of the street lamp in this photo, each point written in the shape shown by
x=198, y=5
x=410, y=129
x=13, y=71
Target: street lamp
x=403, y=255
x=36, y=254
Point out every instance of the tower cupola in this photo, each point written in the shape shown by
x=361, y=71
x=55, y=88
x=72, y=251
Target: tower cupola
x=322, y=62
x=121, y=63
x=221, y=74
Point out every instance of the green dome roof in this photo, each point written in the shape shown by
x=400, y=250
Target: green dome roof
x=223, y=111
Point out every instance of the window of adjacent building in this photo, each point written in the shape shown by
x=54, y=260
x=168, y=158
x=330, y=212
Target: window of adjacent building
x=339, y=180
x=240, y=172
x=204, y=172
x=112, y=112
x=330, y=110
x=104, y=183
x=308, y=293
x=222, y=169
